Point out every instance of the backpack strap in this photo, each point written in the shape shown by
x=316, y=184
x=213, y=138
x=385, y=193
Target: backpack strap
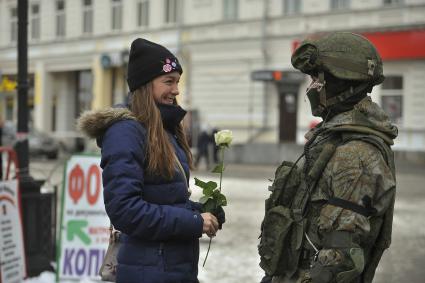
x=316, y=169
x=366, y=210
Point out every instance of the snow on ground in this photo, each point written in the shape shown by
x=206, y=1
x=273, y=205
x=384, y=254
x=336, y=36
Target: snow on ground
x=49, y=277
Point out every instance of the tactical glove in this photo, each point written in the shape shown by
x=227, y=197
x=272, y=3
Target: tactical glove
x=338, y=265
x=266, y=279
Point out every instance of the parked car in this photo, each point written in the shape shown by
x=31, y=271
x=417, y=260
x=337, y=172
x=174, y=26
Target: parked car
x=40, y=144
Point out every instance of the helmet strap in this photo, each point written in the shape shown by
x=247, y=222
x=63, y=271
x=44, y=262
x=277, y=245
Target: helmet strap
x=322, y=92
x=351, y=91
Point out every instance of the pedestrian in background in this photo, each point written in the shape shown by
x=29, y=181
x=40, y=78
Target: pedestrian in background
x=335, y=209
x=146, y=195
x=203, y=147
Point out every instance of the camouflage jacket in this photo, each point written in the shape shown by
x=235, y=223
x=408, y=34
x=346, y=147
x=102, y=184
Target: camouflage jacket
x=350, y=209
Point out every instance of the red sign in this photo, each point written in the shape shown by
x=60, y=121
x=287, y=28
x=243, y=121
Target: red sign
x=396, y=45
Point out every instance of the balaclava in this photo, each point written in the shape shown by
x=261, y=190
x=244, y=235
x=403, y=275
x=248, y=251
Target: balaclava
x=332, y=87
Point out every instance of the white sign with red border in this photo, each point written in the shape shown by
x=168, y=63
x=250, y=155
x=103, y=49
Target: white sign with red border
x=12, y=254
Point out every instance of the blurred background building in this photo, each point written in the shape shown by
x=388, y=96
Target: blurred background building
x=235, y=55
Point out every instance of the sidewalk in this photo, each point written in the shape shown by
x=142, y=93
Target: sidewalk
x=256, y=171
x=244, y=171
x=407, y=167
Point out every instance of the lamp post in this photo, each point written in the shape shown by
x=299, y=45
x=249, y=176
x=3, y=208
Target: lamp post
x=38, y=246
x=22, y=130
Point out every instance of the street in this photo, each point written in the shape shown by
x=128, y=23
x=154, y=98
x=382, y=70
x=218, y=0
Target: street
x=233, y=256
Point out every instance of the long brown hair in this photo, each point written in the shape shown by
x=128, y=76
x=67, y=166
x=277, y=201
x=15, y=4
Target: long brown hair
x=159, y=149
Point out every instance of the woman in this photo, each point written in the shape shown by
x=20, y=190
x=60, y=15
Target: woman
x=145, y=193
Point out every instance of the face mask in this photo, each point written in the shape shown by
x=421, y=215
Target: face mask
x=171, y=115
x=313, y=94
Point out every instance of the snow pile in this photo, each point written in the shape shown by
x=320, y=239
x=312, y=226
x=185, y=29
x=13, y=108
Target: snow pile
x=49, y=277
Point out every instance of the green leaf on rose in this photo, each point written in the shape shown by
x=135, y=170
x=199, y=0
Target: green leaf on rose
x=218, y=169
x=219, y=198
x=208, y=187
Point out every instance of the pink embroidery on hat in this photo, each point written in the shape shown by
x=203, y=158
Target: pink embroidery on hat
x=170, y=65
x=167, y=68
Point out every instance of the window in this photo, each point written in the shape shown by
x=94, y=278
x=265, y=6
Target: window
x=87, y=16
x=230, y=9
x=393, y=2
x=291, y=6
x=13, y=24
x=392, y=98
x=393, y=82
x=116, y=15
x=143, y=13
x=85, y=95
x=340, y=4
x=60, y=18
x=35, y=21
x=171, y=11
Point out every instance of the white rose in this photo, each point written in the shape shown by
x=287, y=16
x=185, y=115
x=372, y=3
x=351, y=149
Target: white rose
x=223, y=137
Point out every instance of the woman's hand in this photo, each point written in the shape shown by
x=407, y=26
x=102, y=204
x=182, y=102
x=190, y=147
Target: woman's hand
x=210, y=226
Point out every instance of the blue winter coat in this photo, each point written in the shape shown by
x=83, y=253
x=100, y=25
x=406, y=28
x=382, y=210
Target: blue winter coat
x=160, y=225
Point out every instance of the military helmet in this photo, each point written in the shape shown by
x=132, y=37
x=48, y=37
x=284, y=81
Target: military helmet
x=344, y=55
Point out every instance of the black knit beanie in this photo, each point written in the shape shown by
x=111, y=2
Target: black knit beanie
x=148, y=60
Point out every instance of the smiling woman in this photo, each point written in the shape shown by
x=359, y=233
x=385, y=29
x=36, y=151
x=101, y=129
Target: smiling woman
x=165, y=88
x=146, y=161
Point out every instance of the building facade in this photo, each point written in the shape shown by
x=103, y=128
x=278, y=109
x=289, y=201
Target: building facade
x=235, y=55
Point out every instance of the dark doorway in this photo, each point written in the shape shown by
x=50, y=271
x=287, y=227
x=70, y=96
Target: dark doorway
x=288, y=102
x=288, y=84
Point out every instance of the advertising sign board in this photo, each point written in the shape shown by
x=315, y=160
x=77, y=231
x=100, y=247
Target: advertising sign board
x=84, y=229
x=12, y=254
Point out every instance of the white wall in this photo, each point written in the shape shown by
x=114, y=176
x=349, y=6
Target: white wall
x=251, y=9
x=222, y=88
x=365, y=4
x=5, y=7
x=201, y=11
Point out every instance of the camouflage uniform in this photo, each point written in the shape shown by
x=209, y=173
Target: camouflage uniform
x=356, y=169
x=348, y=215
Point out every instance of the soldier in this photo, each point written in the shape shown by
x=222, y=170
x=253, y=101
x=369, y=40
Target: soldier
x=330, y=219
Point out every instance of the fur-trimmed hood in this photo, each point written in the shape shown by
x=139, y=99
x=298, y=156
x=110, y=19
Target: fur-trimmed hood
x=94, y=123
